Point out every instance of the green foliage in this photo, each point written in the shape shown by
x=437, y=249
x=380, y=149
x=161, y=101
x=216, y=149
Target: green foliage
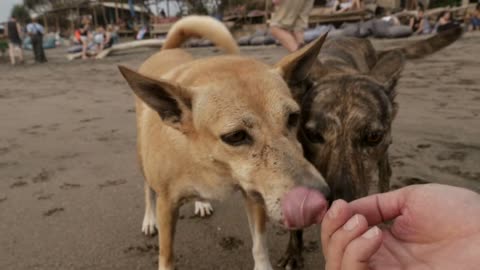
x=21, y=13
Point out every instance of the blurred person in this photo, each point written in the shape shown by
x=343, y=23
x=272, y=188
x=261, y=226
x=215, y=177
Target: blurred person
x=347, y=5
x=289, y=21
x=14, y=32
x=445, y=22
x=110, y=37
x=475, y=19
x=419, y=23
x=36, y=32
x=85, y=35
x=99, y=39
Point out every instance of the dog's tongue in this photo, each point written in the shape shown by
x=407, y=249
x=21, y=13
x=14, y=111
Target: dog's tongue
x=303, y=207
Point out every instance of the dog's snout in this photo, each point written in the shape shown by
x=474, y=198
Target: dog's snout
x=314, y=180
x=342, y=186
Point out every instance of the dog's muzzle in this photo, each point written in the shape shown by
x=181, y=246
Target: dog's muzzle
x=303, y=207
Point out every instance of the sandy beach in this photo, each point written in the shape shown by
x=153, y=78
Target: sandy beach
x=71, y=193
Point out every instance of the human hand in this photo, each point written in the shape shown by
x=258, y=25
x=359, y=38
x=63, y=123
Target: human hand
x=434, y=227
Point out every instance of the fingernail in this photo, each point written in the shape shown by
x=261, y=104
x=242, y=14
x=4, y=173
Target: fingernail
x=371, y=233
x=351, y=223
x=333, y=211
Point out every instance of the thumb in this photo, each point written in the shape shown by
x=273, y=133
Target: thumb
x=359, y=251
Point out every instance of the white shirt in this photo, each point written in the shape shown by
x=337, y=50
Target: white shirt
x=35, y=28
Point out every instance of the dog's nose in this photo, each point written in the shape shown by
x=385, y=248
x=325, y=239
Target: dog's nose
x=302, y=207
x=314, y=180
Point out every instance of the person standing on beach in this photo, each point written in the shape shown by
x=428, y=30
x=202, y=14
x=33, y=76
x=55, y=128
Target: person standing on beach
x=85, y=36
x=36, y=31
x=289, y=21
x=13, y=32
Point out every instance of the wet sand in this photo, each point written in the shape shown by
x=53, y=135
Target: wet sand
x=71, y=194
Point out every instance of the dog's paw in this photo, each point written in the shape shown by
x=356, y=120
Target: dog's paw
x=149, y=227
x=291, y=261
x=203, y=209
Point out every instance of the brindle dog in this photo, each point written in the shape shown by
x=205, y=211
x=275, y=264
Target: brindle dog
x=348, y=106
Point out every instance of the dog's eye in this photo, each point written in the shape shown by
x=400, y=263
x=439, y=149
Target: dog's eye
x=373, y=138
x=293, y=120
x=314, y=136
x=237, y=138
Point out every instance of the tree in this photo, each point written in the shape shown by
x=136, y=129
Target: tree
x=20, y=12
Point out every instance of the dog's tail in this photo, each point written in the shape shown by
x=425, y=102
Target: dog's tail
x=201, y=26
x=428, y=46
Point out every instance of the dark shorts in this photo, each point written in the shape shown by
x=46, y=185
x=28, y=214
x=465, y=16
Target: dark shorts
x=15, y=41
x=476, y=22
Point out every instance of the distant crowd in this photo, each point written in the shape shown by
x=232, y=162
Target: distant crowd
x=85, y=39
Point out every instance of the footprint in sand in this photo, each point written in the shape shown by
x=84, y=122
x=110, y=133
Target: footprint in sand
x=86, y=120
x=457, y=156
x=67, y=156
x=32, y=130
x=424, y=145
x=45, y=197
x=147, y=248
x=67, y=186
x=110, y=183
x=7, y=149
x=53, y=127
x=18, y=184
x=53, y=211
x=455, y=170
x=8, y=164
x=311, y=246
x=407, y=181
x=230, y=243
x=43, y=176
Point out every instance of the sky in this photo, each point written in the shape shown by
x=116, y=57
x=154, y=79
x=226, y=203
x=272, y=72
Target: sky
x=6, y=7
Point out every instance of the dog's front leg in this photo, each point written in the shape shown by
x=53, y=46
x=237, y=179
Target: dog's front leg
x=384, y=174
x=257, y=223
x=167, y=214
x=293, y=258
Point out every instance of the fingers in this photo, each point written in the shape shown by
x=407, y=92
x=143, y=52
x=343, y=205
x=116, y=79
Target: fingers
x=347, y=241
x=382, y=207
x=337, y=245
x=336, y=216
x=359, y=251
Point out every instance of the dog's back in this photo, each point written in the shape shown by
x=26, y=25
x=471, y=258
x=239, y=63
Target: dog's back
x=348, y=55
x=165, y=61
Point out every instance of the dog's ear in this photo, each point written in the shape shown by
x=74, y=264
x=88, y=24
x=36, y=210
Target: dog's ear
x=388, y=69
x=296, y=66
x=172, y=102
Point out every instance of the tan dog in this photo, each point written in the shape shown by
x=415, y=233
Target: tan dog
x=210, y=126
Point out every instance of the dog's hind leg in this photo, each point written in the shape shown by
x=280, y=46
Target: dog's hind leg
x=167, y=215
x=257, y=222
x=203, y=208
x=149, y=220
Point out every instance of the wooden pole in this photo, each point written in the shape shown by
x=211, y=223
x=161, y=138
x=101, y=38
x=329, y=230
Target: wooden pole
x=266, y=10
x=116, y=11
x=168, y=9
x=72, y=24
x=57, y=22
x=95, y=21
x=105, y=19
x=45, y=22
